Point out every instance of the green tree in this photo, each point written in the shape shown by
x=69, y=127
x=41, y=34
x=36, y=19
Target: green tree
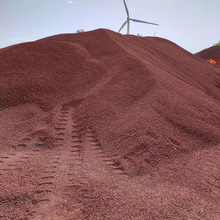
x=217, y=44
x=80, y=31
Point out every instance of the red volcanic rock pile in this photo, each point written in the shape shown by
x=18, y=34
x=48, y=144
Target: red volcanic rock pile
x=151, y=103
x=141, y=94
x=211, y=53
x=150, y=94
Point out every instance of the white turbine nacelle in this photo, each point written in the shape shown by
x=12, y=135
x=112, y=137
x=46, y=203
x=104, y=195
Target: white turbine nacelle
x=130, y=19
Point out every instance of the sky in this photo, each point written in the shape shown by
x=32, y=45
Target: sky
x=192, y=24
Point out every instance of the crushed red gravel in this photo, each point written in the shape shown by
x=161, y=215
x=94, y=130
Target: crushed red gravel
x=211, y=53
x=99, y=125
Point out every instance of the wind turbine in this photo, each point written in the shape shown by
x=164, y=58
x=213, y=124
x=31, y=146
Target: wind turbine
x=131, y=19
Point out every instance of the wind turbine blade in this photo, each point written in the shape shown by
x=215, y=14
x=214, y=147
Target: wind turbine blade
x=126, y=8
x=135, y=20
x=122, y=26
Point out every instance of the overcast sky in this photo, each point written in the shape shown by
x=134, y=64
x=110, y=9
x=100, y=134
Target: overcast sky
x=192, y=24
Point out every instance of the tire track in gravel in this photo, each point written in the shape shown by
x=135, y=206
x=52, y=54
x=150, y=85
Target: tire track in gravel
x=14, y=160
x=96, y=159
x=54, y=191
x=78, y=161
x=93, y=171
x=66, y=173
